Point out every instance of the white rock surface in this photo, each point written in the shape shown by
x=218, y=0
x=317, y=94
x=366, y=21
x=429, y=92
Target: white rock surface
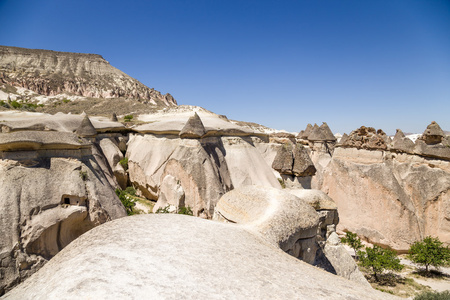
x=181, y=258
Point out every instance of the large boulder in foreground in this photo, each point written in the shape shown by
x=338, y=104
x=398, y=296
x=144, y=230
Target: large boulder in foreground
x=279, y=217
x=183, y=258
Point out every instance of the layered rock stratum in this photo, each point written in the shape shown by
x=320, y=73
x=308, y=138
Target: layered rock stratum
x=47, y=77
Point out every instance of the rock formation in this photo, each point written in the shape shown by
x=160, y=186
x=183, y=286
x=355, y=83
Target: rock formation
x=280, y=218
x=122, y=259
x=53, y=190
x=193, y=129
x=392, y=193
x=89, y=75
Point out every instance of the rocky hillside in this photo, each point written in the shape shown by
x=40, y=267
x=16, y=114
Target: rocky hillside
x=37, y=76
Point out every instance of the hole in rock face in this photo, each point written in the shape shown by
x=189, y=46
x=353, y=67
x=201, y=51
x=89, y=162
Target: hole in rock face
x=73, y=200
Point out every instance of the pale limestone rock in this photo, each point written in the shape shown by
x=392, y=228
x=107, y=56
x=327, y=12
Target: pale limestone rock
x=389, y=199
x=343, y=264
x=200, y=175
x=171, y=193
x=279, y=217
x=46, y=202
x=246, y=165
x=122, y=260
x=113, y=155
x=147, y=157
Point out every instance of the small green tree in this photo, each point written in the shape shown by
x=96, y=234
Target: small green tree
x=429, y=252
x=353, y=241
x=128, y=118
x=379, y=259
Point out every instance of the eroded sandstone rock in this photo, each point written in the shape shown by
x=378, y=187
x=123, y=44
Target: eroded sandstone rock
x=49, y=197
x=279, y=217
x=120, y=259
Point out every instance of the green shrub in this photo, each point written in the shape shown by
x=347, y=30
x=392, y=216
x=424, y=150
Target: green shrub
x=128, y=118
x=125, y=199
x=281, y=181
x=353, y=241
x=130, y=190
x=16, y=105
x=124, y=163
x=163, y=210
x=66, y=100
x=428, y=295
x=183, y=210
x=429, y=252
x=84, y=175
x=378, y=259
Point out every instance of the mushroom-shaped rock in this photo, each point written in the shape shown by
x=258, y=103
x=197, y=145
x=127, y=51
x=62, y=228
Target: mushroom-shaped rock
x=279, y=217
x=193, y=129
x=303, y=165
x=433, y=134
x=86, y=129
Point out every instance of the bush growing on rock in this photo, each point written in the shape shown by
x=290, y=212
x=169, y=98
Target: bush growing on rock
x=125, y=199
x=124, y=163
x=429, y=252
x=378, y=259
x=353, y=241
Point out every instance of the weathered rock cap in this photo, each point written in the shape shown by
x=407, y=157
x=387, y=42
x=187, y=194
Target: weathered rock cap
x=193, y=129
x=293, y=160
x=35, y=140
x=322, y=133
x=86, y=129
x=305, y=133
x=276, y=215
x=433, y=134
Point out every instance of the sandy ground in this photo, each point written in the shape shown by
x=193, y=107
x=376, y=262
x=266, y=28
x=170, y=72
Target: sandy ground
x=439, y=285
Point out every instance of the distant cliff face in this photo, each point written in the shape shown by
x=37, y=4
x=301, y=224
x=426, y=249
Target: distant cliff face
x=51, y=73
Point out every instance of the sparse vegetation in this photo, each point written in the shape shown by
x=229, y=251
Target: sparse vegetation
x=429, y=252
x=378, y=259
x=126, y=200
x=65, y=100
x=353, y=241
x=281, y=181
x=182, y=210
x=128, y=118
x=124, y=163
x=84, y=175
x=429, y=295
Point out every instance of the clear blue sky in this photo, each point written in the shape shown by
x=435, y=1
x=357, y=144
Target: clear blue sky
x=283, y=64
